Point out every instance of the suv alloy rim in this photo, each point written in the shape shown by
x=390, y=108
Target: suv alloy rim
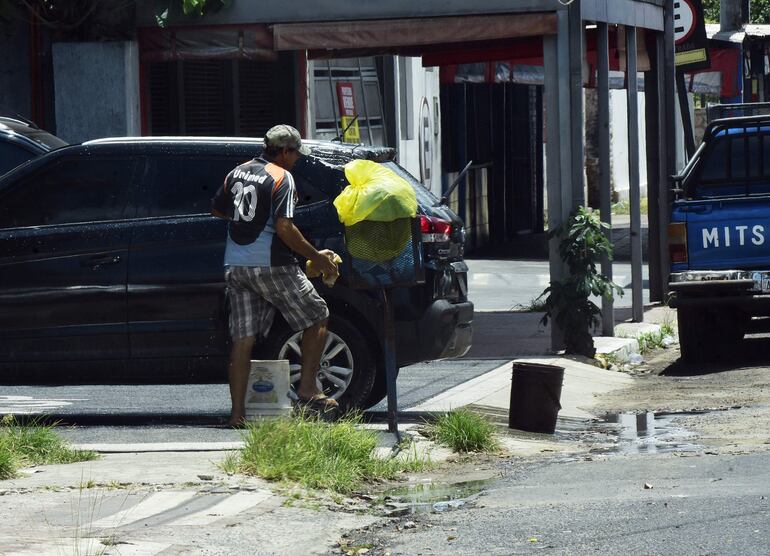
x=336, y=370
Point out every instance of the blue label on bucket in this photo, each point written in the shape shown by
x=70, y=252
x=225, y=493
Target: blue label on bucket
x=262, y=386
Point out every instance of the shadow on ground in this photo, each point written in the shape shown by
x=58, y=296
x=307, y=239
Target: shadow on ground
x=752, y=351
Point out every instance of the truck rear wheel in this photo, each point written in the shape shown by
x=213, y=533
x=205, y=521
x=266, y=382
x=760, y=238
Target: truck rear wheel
x=696, y=334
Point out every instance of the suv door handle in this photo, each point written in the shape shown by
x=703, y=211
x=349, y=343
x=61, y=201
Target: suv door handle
x=95, y=263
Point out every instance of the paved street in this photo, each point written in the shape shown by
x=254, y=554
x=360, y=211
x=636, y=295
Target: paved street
x=691, y=506
x=503, y=285
x=184, y=412
x=634, y=482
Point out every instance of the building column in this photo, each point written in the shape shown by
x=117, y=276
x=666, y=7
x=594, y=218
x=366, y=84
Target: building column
x=632, y=97
x=563, y=61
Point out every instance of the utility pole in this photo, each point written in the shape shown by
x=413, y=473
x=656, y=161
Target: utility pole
x=733, y=15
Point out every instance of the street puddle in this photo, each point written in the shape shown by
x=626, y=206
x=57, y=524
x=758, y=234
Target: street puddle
x=644, y=433
x=434, y=497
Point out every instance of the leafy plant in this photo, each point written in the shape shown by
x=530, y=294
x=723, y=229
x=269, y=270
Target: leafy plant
x=568, y=303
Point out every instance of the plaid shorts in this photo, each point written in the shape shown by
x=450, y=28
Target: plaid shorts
x=254, y=294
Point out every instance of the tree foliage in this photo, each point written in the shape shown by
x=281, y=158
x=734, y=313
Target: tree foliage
x=759, y=11
x=190, y=8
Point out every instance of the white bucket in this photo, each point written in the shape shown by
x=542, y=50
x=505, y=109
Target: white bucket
x=267, y=392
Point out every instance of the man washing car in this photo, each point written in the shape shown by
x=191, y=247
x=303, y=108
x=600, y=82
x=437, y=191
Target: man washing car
x=261, y=271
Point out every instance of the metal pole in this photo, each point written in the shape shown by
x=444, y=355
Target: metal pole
x=333, y=98
x=667, y=143
x=653, y=104
x=605, y=193
x=632, y=93
x=576, y=105
x=684, y=108
x=389, y=329
x=553, y=149
x=363, y=101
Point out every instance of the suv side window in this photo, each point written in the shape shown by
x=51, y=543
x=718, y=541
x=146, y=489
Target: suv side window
x=11, y=156
x=183, y=185
x=72, y=190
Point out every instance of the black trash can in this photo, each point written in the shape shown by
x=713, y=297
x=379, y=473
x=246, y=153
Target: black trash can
x=535, y=397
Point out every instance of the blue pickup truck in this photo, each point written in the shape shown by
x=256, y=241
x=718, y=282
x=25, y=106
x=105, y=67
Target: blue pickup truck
x=719, y=238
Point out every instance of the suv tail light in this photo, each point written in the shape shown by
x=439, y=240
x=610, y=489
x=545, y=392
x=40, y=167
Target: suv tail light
x=434, y=230
x=677, y=242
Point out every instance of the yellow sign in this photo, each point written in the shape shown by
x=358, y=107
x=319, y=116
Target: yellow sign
x=353, y=133
x=691, y=56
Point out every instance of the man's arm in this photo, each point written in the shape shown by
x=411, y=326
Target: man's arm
x=222, y=202
x=218, y=214
x=295, y=241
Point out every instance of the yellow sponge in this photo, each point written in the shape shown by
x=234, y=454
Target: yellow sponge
x=312, y=272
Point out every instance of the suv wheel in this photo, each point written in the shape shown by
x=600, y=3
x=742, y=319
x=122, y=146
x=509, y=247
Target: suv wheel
x=347, y=371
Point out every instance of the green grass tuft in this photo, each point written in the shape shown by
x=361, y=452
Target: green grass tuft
x=464, y=431
x=653, y=340
x=33, y=444
x=337, y=456
x=535, y=305
x=624, y=207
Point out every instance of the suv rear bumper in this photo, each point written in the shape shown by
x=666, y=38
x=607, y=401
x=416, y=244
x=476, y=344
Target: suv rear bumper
x=445, y=330
x=748, y=303
x=742, y=290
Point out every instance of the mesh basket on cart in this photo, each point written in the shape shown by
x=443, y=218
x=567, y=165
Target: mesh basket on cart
x=384, y=254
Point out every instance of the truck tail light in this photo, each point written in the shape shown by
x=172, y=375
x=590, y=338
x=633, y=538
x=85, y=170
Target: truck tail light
x=434, y=230
x=677, y=242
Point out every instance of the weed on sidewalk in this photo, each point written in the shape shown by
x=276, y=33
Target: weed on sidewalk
x=464, y=431
x=339, y=456
x=33, y=443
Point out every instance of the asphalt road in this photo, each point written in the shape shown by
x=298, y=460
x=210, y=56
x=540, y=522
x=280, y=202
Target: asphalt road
x=504, y=285
x=694, y=505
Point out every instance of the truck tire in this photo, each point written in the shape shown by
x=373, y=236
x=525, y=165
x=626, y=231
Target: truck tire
x=347, y=371
x=696, y=335
x=736, y=325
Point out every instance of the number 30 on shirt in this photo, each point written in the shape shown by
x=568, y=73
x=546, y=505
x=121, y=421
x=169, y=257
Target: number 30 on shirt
x=245, y=202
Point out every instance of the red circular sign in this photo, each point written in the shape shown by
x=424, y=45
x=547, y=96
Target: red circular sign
x=685, y=18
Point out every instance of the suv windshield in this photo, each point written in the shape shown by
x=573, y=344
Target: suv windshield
x=48, y=141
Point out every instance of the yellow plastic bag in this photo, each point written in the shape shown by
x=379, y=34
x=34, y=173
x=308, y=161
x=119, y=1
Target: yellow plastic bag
x=375, y=193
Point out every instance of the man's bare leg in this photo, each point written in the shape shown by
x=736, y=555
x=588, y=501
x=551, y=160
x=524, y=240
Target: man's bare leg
x=238, y=375
x=313, y=343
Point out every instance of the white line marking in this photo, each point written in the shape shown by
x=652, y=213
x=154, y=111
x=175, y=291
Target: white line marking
x=230, y=506
x=156, y=504
x=90, y=546
x=27, y=404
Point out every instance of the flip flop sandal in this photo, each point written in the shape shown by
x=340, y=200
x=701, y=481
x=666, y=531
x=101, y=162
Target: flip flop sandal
x=319, y=402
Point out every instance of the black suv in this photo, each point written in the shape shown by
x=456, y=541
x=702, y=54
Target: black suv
x=111, y=263
x=21, y=141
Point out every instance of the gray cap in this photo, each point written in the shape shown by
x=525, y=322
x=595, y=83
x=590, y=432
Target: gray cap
x=285, y=136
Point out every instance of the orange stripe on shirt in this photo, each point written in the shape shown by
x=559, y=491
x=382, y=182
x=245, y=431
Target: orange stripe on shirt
x=276, y=172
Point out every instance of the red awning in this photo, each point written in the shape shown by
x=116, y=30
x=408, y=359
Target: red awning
x=251, y=42
x=417, y=32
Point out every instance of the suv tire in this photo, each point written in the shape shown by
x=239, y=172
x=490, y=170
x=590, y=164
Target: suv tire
x=349, y=351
